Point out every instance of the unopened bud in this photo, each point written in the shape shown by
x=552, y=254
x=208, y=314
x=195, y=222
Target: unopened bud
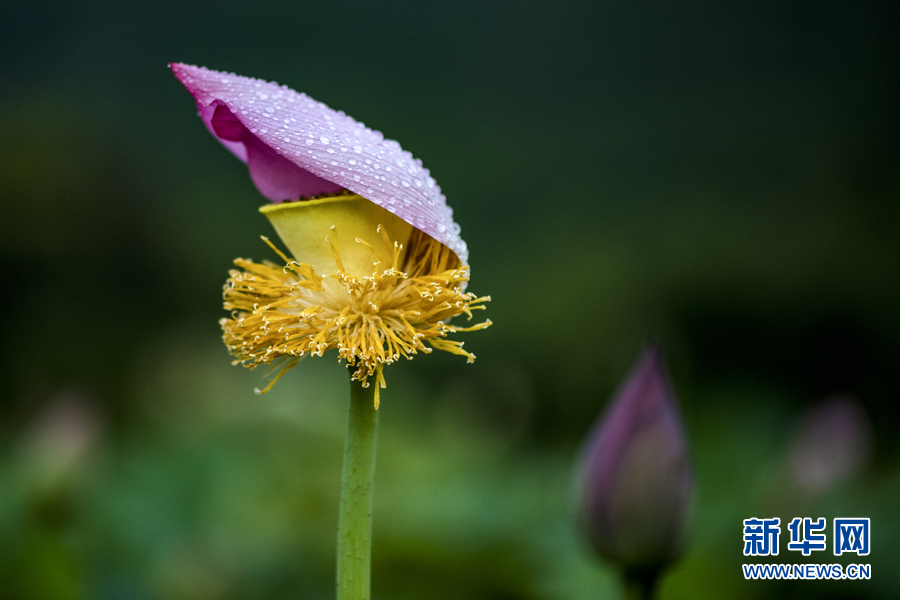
x=635, y=474
x=832, y=443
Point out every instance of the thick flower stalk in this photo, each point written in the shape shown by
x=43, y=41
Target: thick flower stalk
x=378, y=267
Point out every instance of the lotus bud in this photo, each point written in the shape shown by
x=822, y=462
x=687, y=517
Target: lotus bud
x=58, y=444
x=635, y=476
x=833, y=442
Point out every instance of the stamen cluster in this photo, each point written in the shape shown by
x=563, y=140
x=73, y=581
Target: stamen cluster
x=283, y=314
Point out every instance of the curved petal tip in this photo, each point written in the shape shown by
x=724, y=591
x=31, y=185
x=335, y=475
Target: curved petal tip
x=295, y=146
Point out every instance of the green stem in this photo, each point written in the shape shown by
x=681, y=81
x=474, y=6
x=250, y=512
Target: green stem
x=640, y=584
x=354, y=543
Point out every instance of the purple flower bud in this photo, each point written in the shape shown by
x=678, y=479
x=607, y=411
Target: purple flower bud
x=832, y=443
x=635, y=474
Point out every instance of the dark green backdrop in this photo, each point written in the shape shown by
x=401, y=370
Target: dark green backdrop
x=723, y=177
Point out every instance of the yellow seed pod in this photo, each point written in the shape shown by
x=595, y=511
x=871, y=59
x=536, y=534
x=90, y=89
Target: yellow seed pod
x=309, y=229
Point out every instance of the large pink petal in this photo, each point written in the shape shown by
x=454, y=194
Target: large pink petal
x=296, y=146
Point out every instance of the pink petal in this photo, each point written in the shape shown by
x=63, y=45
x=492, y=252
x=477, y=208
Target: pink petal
x=295, y=146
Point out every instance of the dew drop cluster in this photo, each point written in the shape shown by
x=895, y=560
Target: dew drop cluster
x=333, y=146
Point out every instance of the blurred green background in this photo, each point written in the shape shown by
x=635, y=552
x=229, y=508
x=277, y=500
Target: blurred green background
x=724, y=177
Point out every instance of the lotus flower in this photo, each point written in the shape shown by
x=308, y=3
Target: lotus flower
x=378, y=264
x=635, y=474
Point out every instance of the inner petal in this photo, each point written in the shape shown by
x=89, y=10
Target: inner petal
x=276, y=178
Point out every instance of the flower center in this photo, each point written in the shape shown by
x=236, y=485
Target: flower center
x=283, y=314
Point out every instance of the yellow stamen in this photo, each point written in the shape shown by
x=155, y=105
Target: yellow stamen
x=287, y=313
